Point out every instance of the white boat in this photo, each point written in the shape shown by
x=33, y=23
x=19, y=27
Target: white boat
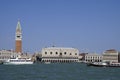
x=98, y=64
x=114, y=65
x=18, y=61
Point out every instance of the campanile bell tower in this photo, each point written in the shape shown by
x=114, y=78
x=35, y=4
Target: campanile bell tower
x=18, y=38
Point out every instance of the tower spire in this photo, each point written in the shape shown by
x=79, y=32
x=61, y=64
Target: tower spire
x=18, y=28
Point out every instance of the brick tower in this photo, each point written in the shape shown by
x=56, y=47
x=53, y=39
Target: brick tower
x=18, y=38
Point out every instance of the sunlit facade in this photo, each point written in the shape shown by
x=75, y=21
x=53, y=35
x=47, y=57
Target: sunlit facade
x=7, y=54
x=57, y=54
x=93, y=58
x=110, y=56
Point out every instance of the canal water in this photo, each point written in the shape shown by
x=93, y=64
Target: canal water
x=61, y=71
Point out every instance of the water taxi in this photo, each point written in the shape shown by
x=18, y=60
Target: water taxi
x=18, y=61
x=104, y=64
x=98, y=64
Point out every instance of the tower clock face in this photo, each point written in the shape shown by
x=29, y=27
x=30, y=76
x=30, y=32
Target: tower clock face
x=18, y=36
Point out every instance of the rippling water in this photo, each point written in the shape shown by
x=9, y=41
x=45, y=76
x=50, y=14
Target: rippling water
x=63, y=71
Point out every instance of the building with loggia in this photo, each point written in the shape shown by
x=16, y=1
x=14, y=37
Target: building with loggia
x=59, y=54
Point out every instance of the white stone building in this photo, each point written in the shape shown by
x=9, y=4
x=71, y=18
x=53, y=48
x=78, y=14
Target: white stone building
x=110, y=56
x=58, y=54
x=93, y=58
x=7, y=54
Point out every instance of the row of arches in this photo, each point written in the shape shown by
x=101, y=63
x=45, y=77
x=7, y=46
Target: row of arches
x=94, y=60
x=60, y=61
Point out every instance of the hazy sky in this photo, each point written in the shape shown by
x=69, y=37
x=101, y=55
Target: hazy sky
x=89, y=25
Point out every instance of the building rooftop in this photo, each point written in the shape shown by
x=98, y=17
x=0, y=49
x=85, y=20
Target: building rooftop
x=59, y=48
x=95, y=54
x=111, y=51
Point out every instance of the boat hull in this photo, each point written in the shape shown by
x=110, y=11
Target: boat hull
x=104, y=64
x=97, y=64
x=17, y=63
x=114, y=65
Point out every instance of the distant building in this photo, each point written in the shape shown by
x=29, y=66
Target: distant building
x=93, y=58
x=18, y=38
x=110, y=56
x=119, y=57
x=57, y=54
x=7, y=54
x=37, y=57
x=80, y=57
x=83, y=56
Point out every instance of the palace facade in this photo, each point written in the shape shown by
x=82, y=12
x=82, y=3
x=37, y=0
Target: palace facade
x=58, y=54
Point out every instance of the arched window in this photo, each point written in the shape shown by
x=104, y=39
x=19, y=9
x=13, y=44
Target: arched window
x=50, y=52
x=56, y=52
x=60, y=53
x=65, y=53
x=45, y=52
x=75, y=53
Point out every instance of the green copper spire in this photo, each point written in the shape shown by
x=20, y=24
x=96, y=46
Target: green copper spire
x=18, y=28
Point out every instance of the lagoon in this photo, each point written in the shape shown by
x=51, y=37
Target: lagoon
x=58, y=71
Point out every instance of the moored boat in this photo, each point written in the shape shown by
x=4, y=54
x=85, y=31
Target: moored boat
x=97, y=64
x=103, y=64
x=18, y=61
x=114, y=65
